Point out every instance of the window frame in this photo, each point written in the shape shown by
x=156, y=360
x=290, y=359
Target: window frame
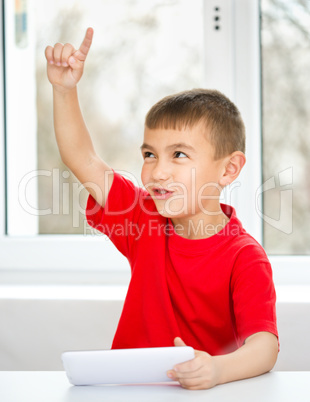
x=74, y=258
x=2, y=138
x=19, y=70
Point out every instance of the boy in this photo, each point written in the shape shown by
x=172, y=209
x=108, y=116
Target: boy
x=197, y=277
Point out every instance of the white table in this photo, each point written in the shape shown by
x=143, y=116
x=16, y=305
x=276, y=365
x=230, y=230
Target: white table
x=53, y=386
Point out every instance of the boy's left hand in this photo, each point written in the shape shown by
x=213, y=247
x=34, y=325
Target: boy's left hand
x=198, y=373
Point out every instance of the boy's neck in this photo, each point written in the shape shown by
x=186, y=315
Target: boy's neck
x=200, y=226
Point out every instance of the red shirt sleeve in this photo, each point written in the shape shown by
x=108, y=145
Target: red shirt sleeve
x=253, y=293
x=118, y=218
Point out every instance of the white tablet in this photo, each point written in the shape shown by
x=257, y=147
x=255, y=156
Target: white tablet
x=123, y=366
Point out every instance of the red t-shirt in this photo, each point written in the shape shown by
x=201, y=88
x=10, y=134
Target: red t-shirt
x=212, y=292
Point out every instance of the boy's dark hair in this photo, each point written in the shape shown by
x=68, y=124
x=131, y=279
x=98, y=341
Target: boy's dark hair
x=221, y=118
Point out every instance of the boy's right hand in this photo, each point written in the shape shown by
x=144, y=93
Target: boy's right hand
x=65, y=65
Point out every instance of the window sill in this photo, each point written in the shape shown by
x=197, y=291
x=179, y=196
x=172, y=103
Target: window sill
x=285, y=294
x=28, y=292
x=293, y=294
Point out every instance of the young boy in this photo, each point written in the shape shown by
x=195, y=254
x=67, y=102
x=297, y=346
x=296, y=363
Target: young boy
x=197, y=277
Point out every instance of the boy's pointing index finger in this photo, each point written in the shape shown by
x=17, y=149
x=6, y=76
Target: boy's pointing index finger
x=86, y=44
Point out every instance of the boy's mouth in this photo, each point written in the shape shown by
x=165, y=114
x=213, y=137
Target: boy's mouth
x=161, y=193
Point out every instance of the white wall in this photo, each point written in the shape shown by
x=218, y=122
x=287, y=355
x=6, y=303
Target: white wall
x=35, y=331
x=294, y=332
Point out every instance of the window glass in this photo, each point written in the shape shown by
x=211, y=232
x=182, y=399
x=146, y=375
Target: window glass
x=286, y=125
x=142, y=51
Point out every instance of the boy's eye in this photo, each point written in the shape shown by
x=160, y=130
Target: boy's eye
x=180, y=154
x=148, y=155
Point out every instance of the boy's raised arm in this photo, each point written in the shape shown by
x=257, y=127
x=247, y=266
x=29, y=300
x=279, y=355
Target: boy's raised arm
x=65, y=67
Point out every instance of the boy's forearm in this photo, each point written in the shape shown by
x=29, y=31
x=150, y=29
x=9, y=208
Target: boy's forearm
x=257, y=356
x=73, y=139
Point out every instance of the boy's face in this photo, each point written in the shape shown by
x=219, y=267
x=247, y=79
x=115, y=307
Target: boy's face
x=180, y=173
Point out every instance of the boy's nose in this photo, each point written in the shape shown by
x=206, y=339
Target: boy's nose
x=160, y=173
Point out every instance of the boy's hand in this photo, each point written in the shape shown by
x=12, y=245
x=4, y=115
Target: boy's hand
x=198, y=373
x=256, y=356
x=65, y=64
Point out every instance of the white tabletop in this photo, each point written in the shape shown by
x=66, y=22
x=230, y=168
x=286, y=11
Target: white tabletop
x=53, y=386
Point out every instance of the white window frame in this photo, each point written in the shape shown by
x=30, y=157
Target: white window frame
x=232, y=56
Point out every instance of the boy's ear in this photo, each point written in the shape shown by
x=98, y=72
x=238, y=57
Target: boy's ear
x=233, y=166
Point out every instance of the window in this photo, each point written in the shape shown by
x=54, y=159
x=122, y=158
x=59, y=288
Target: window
x=141, y=52
x=286, y=124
